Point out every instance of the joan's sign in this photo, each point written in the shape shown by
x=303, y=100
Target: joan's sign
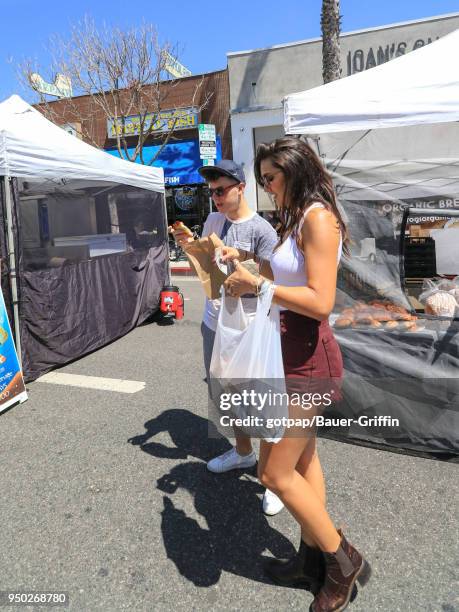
x=363, y=59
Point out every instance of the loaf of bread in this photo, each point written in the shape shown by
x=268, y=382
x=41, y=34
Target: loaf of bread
x=407, y=324
x=343, y=322
x=441, y=303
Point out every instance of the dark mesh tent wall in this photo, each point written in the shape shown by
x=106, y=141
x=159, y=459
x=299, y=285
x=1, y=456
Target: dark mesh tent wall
x=397, y=309
x=92, y=260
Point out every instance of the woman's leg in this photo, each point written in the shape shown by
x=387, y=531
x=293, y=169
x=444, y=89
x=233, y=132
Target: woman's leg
x=309, y=468
x=276, y=470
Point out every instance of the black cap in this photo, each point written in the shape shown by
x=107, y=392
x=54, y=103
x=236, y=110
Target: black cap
x=225, y=167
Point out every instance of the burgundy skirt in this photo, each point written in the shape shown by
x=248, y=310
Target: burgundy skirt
x=312, y=358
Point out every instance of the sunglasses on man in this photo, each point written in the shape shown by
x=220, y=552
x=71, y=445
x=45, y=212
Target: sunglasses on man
x=220, y=191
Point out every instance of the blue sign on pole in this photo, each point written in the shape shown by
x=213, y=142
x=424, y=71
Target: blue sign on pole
x=12, y=388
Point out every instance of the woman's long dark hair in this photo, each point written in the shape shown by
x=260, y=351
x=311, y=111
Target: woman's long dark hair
x=306, y=181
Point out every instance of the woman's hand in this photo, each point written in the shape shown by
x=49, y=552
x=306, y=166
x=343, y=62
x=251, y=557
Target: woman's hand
x=240, y=282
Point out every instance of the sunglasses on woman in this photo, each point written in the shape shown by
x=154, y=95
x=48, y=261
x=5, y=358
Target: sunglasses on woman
x=220, y=191
x=267, y=179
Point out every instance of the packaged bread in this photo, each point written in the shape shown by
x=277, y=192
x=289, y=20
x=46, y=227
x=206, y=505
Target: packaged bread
x=441, y=303
x=382, y=315
x=343, y=322
x=363, y=318
x=407, y=324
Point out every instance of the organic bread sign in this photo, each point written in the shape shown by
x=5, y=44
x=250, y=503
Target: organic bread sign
x=12, y=388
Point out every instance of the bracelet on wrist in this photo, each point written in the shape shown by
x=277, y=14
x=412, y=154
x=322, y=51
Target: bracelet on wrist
x=262, y=286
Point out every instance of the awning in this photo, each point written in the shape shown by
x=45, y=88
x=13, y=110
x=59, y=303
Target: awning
x=419, y=88
x=179, y=159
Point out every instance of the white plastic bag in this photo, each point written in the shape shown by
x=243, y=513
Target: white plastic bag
x=247, y=357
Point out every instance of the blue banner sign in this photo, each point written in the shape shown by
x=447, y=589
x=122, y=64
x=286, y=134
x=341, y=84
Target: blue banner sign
x=12, y=388
x=180, y=160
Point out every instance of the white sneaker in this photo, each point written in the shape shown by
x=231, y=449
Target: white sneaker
x=271, y=503
x=231, y=460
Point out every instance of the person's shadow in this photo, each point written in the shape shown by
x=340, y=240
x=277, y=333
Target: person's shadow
x=192, y=435
x=238, y=532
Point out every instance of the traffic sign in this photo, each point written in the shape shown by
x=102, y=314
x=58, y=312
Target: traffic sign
x=207, y=132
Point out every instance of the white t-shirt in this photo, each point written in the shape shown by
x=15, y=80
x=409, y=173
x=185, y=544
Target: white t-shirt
x=253, y=234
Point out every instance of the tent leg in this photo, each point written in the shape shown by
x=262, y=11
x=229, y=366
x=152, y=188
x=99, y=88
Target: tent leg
x=12, y=266
x=167, y=238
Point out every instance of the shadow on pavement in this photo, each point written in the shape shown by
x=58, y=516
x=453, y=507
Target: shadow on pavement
x=189, y=433
x=238, y=532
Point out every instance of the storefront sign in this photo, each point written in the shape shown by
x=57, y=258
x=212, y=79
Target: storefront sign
x=438, y=202
x=61, y=88
x=180, y=160
x=164, y=121
x=185, y=198
x=363, y=59
x=12, y=388
x=174, y=67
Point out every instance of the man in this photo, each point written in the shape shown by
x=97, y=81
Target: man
x=240, y=227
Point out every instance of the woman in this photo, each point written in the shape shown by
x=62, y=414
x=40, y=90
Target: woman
x=304, y=270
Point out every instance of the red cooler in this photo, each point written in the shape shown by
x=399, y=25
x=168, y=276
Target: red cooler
x=171, y=302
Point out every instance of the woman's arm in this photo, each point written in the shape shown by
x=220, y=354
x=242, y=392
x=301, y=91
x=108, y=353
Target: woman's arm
x=321, y=236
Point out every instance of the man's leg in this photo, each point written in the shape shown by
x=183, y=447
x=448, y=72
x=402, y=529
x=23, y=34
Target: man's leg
x=242, y=455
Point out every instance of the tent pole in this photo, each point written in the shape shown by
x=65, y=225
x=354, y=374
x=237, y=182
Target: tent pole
x=12, y=266
x=166, y=238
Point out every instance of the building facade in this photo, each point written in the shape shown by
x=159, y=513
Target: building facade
x=260, y=79
x=187, y=196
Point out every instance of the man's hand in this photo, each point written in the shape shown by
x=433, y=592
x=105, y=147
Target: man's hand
x=181, y=237
x=229, y=254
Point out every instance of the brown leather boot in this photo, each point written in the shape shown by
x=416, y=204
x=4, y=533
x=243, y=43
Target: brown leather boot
x=343, y=569
x=306, y=568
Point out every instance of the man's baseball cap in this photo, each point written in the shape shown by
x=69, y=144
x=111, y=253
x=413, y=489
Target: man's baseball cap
x=226, y=167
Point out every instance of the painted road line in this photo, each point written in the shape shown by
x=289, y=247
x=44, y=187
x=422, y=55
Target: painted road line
x=92, y=382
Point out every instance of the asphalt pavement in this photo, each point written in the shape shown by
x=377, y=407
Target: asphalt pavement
x=106, y=496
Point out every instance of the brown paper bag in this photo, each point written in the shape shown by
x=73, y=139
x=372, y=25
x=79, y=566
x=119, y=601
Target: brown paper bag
x=200, y=254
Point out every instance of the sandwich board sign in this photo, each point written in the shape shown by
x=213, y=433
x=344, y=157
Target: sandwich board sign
x=12, y=387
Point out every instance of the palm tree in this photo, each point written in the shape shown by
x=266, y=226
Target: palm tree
x=330, y=22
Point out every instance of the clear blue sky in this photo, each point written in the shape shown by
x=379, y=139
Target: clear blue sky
x=205, y=30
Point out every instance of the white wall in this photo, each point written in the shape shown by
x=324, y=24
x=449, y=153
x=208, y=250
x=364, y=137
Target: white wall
x=242, y=129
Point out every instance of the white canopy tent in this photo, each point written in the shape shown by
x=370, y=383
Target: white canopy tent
x=421, y=87
x=31, y=147
x=418, y=92
x=390, y=138
x=39, y=157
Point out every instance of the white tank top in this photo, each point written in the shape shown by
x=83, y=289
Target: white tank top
x=287, y=262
